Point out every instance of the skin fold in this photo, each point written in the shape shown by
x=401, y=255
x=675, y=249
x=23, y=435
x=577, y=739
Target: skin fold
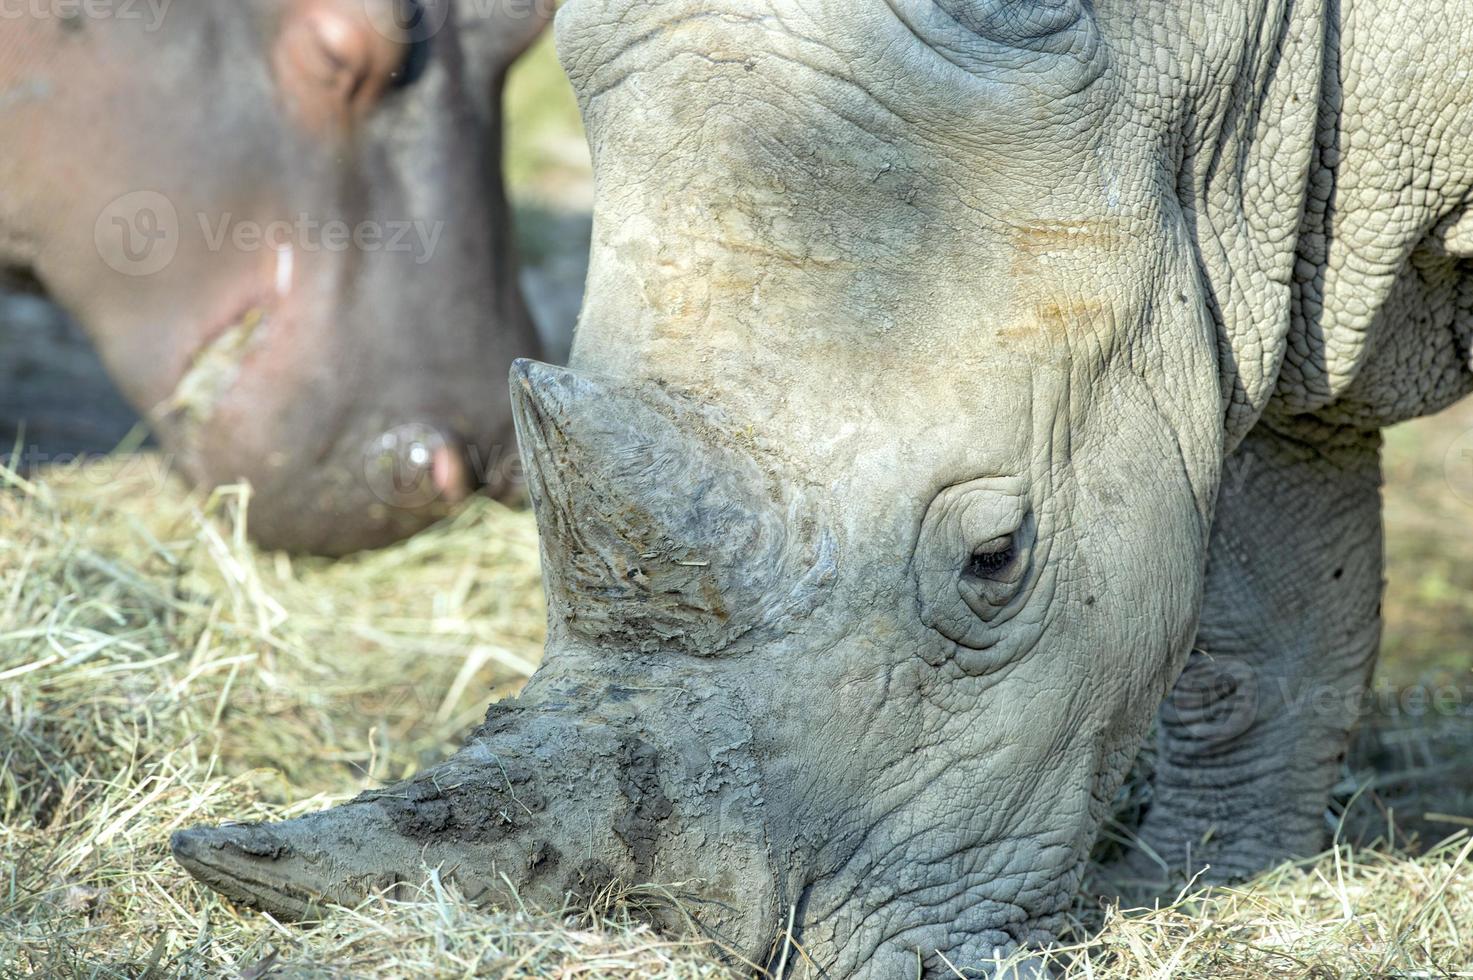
x=953, y=378
x=283, y=228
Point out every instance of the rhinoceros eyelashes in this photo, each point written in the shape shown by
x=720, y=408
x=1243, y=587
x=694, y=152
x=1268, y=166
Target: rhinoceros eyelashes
x=975, y=560
x=993, y=559
x=995, y=573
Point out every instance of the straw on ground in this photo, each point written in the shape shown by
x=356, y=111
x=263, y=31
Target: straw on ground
x=155, y=672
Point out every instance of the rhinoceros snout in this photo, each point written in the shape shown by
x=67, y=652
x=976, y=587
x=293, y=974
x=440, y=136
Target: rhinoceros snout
x=420, y=465
x=551, y=807
x=239, y=862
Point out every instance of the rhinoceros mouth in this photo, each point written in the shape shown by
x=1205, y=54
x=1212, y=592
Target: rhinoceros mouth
x=245, y=862
x=212, y=370
x=214, y=365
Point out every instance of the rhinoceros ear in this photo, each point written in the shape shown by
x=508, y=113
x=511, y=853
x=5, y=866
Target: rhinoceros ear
x=1053, y=26
x=501, y=30
x=1055, y=44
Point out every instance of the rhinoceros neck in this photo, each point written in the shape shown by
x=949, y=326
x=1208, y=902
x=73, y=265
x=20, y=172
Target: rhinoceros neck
x=1239, y=83
x=1378, y=275
x=1323, y=169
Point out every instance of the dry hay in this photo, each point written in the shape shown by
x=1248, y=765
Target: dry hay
x=157, y=673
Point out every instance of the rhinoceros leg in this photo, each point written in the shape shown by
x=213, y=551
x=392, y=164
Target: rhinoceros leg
x=1251, y=737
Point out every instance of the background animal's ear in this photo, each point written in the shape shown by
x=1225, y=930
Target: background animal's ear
x=1244, y=182
x=498, y=32
x=333, y=59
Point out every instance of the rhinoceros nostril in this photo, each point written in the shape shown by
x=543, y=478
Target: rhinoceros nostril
x=417, y=465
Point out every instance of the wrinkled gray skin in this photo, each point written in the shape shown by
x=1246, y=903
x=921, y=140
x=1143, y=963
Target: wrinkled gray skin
x=945, y=370
x=357, y=382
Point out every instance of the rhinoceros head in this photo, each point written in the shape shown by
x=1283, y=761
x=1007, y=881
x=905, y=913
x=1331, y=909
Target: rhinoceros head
x=925, y=281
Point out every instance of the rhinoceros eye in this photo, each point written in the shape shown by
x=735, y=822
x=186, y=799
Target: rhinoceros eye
x=993, y=558
x=996, y=573
x=975, y=558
